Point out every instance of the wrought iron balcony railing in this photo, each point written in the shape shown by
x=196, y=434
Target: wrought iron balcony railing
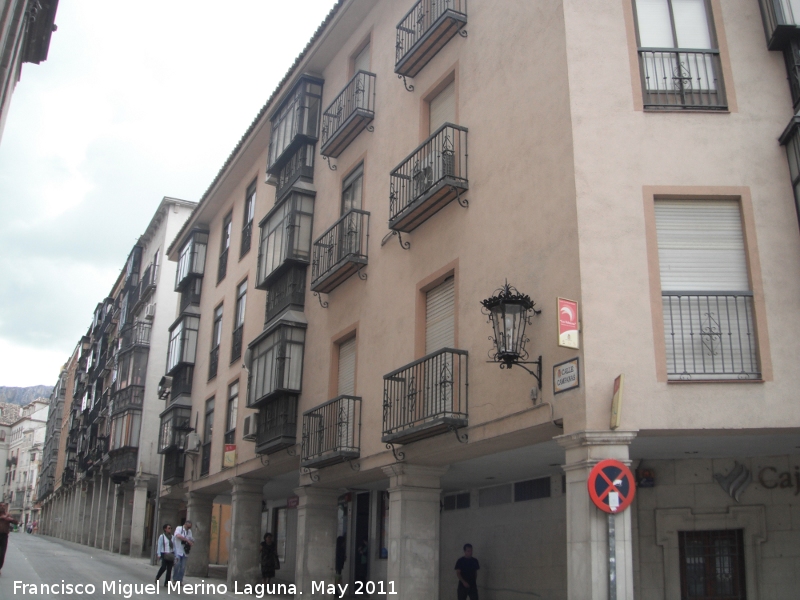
x=287, y=290
x=300, y=166
x=780, y=22
x=426, y=397
x=137, y=334
x=674, y=78
x=424, y=30
x=173, y=467
x=128, y=397
x=340, y=251
x=122, y=464
x=182, y=381
x=147, y=283
x=429, y=178
x=213, y=362
x=349, y=114
x=710, y=335
x=276, y=425
x=205, y=462
x=332, y=432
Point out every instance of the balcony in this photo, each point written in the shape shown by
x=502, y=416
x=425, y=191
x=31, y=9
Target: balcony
x=285, y=237
x=173, y=467
x=780, y=23
x=192, y=261
x=287, y=291
x=340, y=251
x=426, y=398
x=710, y=336
x=67, y=476
x=181, y=382
x=300, y=166
x=429, y=179
x=424, y=30
x=175, y=424
x=332, y=432
x=296, y=122
x=682, y=79
x=276, y=424
x=137, y=334
x=205, y=462
x=349, y=114
x=123, y=463
x=276, y=364
x=147, y=283
x=128, y=397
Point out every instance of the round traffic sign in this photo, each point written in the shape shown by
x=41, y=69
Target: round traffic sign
x=611, y=486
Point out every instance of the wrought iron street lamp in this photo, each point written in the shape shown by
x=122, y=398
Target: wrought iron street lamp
x=510, y=312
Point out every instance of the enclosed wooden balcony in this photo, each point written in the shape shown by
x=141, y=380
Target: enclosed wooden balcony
x=277, y=425
x=781, y=22
x=429, y=178
x=425, y=30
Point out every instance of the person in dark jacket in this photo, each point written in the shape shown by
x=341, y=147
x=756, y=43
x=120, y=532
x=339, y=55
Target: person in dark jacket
x=467, y=573
x=166, y=552
x=6, y=521
x=269, y=558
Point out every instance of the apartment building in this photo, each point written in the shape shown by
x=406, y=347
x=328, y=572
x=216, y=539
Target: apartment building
x=25, y=30
x=9, y=413
x=55, y=418
x=111, y=466
x=333, y=378
x=24, y=461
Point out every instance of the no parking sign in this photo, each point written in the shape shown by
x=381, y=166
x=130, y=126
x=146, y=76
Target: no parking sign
x=611, y=486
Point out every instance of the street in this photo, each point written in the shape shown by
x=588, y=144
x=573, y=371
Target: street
x=37, y=560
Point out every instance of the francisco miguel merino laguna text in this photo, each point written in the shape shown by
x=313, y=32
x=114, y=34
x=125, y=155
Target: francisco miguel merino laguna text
x=127, y=590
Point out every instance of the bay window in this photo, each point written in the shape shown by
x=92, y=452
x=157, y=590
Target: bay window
x=276, y=363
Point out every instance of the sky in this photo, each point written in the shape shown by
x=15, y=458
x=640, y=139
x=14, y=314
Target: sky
x=136, y=101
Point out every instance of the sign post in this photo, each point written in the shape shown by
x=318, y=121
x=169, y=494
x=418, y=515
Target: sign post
x=611, y=488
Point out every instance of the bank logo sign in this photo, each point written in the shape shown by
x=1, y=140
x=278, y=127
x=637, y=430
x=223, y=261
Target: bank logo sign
x=735, y=482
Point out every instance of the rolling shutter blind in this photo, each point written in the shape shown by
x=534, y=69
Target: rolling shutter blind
x=361, y=62
x=440, y=317
x=443, y=108
x=347, y=368
x=655, y=24
x=701, y=246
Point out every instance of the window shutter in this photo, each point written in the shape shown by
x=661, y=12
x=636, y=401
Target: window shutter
x=361, y=61
x=691, y=23
x=440, y=317
x=701, y=246
x=347, y=368
x=443, y=108
x=655, y=29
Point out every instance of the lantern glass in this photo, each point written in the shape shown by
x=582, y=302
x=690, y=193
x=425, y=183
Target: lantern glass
x=509, y=319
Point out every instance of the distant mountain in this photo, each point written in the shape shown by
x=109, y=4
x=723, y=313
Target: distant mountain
x=24, y=395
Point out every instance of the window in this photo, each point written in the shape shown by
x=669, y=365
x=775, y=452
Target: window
x=532, y=489
x=442, y=108
x=192, y=259
x=678, y=55
x=296, y=119
x=347, y=368
x=440, y=316
x=208, y=430
x=361, y=60
x=238, y=323
x=249, y=213
x=216, y=338
x=125, y=430
x=277, y=363
x=712, y=564
x=456, y=501
x=222, y=268
x=230, y=416
x=706, y=295
x=182, y=343
x=285, y=235
x=351, y=190
x=279, y=527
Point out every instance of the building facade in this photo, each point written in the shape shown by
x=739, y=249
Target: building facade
x=110, y=466
x=25, y=30
x=24, y=461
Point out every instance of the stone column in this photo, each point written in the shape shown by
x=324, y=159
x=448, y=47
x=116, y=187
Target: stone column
x=92, y=528
x=414, y=496
x=244, y=565
x=168, y=510
x=77, y=511
x=98, y=523
x=139, y=513
x=587, y=525
x=110, y=511
x=198, y=511
x=127, y=518
x=86, y=521
x=316, y=537
x=116, y=524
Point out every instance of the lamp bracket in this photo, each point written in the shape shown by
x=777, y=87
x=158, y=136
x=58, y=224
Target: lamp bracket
x=399, y=455
x=521, y=363
x=323, y=304
x=462, y=437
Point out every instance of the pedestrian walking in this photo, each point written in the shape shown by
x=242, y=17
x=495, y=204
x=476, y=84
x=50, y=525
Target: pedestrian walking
x=182, y=548
x=166, y=550
x=467, y=573
x=6, y=520
x=269, y=558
